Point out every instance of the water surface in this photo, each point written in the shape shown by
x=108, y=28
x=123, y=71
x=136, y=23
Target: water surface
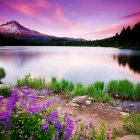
x=78, y=64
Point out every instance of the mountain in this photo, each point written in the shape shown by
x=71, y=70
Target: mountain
x=15, y=30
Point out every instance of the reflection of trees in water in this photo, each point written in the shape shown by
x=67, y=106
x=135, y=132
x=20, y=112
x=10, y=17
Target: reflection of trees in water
x=133, y=61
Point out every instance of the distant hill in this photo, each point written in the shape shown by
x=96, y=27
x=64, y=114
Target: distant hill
x=12, y=33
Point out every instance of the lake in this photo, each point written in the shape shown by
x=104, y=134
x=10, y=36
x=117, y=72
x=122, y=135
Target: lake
x=78, y=64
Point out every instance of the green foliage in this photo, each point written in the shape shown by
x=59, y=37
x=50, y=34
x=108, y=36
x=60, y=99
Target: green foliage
x=32, y=82
x=79, y=90
x=102, y=134
x=54, y=84
x=2, y=74
x=25, y=124
x=136, y=94
x=132, y=123
x=5, y=91
x=99, y=85
x=70, y=87
x=122, y=88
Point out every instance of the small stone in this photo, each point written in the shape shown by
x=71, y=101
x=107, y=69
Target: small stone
x=87, y=102
x=124, y=114
x=132, y=105
x=40, y=97
x=70, y=113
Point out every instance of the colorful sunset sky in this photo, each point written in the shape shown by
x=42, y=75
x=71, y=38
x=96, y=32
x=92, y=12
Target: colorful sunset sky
x=88, y=19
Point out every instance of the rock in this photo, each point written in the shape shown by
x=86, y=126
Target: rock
x=117, y=95
x=132, y=105
x=81, y=99
x=87, y=102
x=71, y=104
x=70, y=113
x=124, y=114
x=41, y=97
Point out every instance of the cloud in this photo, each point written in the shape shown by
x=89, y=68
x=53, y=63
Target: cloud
x=24, y=9
x=59, y=12
x=109, y=30
x=132, y=15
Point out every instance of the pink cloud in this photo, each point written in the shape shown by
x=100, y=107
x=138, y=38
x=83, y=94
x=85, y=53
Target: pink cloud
x=24, y=9
x=109, y=30
x=132, y=15
x=43, y=4
x=59, y=12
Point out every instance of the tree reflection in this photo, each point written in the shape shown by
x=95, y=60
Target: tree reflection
x=133, y=61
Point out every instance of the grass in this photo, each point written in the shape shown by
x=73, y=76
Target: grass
x=36, y=83
x=132, y=123
x=5, y=91
x=124, y=89
x=97, y=90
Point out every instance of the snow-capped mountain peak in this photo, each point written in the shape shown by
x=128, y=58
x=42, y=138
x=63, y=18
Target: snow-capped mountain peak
x=13, y=27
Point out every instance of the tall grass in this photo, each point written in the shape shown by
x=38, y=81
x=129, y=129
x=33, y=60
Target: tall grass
x=122, y=88
x=136, y=94
x=32, y=82
x=92, y=90
x=132, y=123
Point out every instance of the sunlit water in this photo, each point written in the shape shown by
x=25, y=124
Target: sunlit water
x=78, y=64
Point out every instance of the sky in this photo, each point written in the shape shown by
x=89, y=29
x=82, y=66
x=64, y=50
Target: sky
x=88, y=19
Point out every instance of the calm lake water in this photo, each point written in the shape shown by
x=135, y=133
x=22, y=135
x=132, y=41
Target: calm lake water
x=78, y=64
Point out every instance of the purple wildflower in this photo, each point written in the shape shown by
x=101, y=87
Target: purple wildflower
x=81, y=137
x=44, y=126
x=57, y=136
x=44, y=91
x=58, y=125
x=34, y=108
x=1, y=97
x=69, y=128
x=90, y=124
x=53, y=116
x=46, y=105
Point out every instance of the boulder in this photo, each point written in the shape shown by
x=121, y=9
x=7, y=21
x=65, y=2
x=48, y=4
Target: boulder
x=71, y=104
x=82, y=100
x=87, y=102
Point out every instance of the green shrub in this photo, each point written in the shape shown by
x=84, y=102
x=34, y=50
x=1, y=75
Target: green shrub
x=126, y=88
x=122, y=88
x=113, y=87
x=64, y=85
x=99, y=85
x=70, y=87
x=79, y=90
x=132, y=123
x=5, y=91
x=2, y=74
x=136, y=94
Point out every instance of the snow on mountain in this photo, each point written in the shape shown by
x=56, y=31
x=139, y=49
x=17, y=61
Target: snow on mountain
x=15, y=29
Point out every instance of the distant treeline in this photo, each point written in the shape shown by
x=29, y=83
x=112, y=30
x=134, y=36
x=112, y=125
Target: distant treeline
x=127, y=38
